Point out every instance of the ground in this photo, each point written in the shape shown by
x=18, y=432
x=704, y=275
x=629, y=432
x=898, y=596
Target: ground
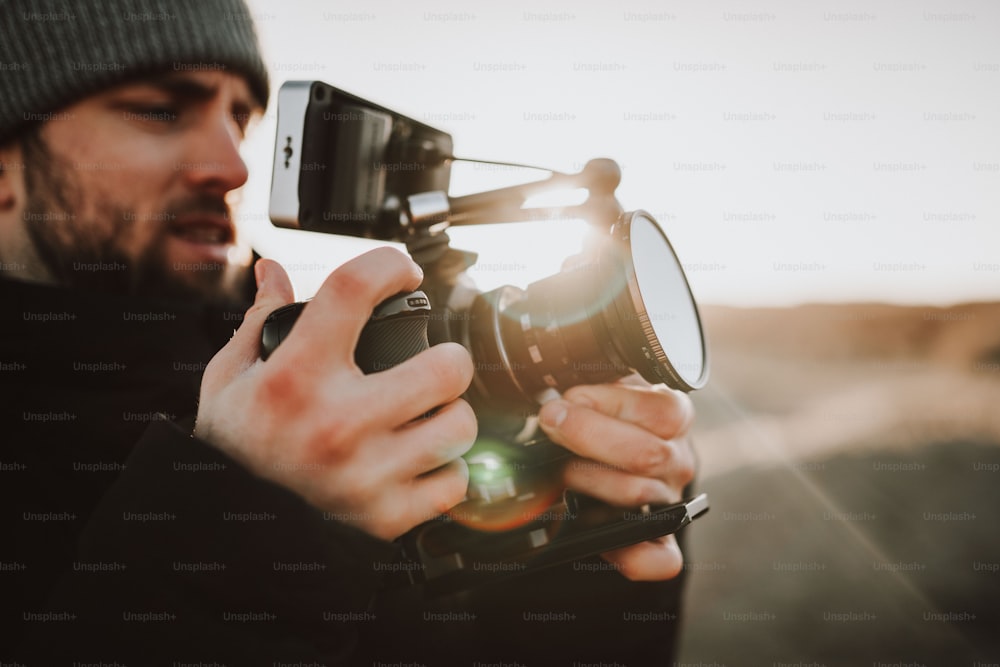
x=852, y=458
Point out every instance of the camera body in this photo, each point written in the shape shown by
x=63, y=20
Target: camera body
x=346, y=166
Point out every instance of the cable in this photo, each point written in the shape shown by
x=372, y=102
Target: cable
x=502, y=164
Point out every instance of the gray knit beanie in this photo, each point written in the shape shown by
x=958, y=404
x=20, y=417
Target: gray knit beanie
x=56, y=52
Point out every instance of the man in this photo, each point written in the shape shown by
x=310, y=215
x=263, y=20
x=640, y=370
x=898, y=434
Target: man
x=258, y=532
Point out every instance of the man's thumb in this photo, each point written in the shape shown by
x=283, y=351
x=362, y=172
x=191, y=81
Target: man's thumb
x=274, y=290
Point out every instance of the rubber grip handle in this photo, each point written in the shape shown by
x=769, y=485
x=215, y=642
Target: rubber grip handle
x=396, y=331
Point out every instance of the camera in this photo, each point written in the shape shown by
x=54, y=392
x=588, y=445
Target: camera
x=343, y=165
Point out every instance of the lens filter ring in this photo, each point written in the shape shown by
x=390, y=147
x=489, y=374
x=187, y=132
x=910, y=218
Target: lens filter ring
x=654, y=311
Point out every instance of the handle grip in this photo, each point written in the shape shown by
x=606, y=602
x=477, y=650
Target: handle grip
x=396, y=331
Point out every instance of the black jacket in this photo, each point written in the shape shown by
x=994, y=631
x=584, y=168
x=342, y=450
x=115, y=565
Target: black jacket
x=126, y=540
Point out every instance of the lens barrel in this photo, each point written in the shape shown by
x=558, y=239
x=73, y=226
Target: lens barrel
x=598, y=321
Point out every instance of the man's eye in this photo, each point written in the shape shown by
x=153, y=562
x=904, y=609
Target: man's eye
x=242, y=119
x=152, y=114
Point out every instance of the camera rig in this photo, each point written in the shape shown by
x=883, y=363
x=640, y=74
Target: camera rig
x=346, y=166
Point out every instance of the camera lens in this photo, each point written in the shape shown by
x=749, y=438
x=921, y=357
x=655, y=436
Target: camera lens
x=658, y=311
x=626, y=307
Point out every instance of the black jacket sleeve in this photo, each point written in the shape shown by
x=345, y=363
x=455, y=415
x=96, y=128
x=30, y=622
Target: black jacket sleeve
x=189, y=558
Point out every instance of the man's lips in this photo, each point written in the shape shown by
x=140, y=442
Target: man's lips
x=204, y=229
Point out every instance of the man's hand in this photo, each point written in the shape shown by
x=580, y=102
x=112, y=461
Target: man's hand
x=353, y=445
x=632, y=449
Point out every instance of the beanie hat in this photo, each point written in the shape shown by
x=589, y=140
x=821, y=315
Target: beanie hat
x=56, y=52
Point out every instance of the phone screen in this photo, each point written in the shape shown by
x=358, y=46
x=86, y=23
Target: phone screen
x=359, y=161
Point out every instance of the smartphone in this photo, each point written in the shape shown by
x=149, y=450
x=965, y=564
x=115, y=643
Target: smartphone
x=344, y=165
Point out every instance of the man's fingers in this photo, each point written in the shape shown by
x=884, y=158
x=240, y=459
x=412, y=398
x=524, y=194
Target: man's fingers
x=329, y=326
x=274, y=290
x=665, y=412
x=617, y=487
x=623, y=445
x=434, y=377
x=655, y=560
x=429, y=496
x=427, y=444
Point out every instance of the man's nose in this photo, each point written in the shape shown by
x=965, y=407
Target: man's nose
x=213, y=159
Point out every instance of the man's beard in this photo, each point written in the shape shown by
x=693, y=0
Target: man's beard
x=90, y=253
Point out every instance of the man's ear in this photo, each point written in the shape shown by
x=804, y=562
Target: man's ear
x=11, y=176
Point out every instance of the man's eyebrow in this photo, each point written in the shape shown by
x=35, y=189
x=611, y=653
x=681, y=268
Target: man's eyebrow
x=183, y=88
x=186, y=89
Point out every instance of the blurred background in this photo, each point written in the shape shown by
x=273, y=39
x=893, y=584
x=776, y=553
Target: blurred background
x=828, y=173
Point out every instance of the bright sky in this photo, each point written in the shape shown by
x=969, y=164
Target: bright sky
x=792, y=151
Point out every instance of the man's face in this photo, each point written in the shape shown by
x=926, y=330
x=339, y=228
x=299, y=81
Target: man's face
x=126, y=191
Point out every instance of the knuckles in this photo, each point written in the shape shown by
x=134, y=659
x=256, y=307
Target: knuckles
x=293, y=402
x=333, y=442
x=665, y=412
x=651, y=457
x=386, y=257
x=449, y=366
x=466, y=427
x=446, y=437
x=450, y=494
x=684, y=466
x=281, y=389
x=346, y=280
x=640, y=491
x=352, y=278
x=670, y=461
